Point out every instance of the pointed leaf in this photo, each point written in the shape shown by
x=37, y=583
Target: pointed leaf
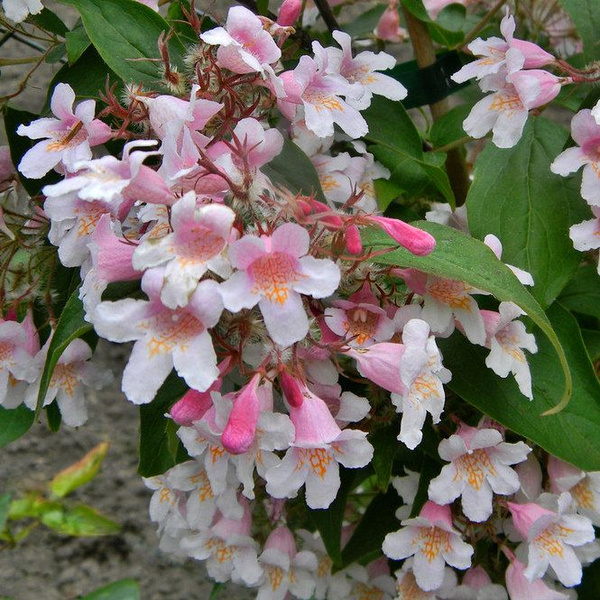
x=79, y=473
x=81, y=521
x=125, y=589
x=458, y=256
x=14, y=423
x=582, y=293
x=586, y=17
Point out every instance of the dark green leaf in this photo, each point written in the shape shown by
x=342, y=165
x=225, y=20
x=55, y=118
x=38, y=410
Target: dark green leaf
x=77, y=42
x=216, y=591
x=49, y=21
x=56, y=55
x=458, y=256
x=448, y=128
x=177, y=20
x=81, y=521
x=263, y=7
x=19, y=145
x=429, y=469
x=88, y=76
x=586, y=17
x=156, y=431
x=293, y=170
x=385, y=445
x=125, y=589
x=365, y=23
x=329, y=520
x=516, y=197
x=379, y=519
x=14, y=423
x=439, y=34
x=71, y=326
x=572, y=433
x=399, y=147
x=125, y=33
x=582, y=293
x=591, y=339
x=53, y=416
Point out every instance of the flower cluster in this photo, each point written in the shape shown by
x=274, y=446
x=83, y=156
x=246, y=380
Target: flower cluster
x=295, y=349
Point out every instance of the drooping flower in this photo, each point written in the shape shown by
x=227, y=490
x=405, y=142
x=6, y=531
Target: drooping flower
x=67, y=139
x=18, y=10
x=433, y=542
x=479, y=467
x=272, y=272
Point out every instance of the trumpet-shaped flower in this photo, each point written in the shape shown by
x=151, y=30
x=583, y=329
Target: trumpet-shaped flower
x=433, y=542
x=164, y=338
x=67, y=139
x=479, y=467
x=272, y=272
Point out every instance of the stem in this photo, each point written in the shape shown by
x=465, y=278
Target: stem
x=455, y=144
x=5, y=62
x=425, y=56
x=475, y=31
x=327, y=15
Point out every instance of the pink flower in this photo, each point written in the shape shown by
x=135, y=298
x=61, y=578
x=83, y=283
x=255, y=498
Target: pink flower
x=70, y=135
x=244, y=45
x=586, y=133
x=319, y=447
x=388, y=27
x=521, y=587
x=479, y=467
x=433, y=542
x=586, y=235
x=415, y=240
x=289, y=11
x=164, y=338
x=272, y=272
x=551, y=537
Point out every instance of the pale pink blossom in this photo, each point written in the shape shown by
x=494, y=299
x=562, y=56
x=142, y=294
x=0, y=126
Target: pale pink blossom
x=228, y=549
x=586, y=235
x=200, y=235
x=497, y=53
x=273, y=272
x=164, y=338
x=19, y=344
x=408, y=589
x=244, y=45
x=495, y=245
x=433, y=542
x=372, y=581
x=521, y=587
x=73, y=372
x=360, y=320
x=285, y=570
x=67, y=139
x=7, y=169
x=388, y=27
x=319, y=447
x=289, y=12
x=363, y=69
x=551, y=537
x=479, y=467
x=507, y=339
x=477, y=585
x=423, y=376
x=585, y=131
x=442, y=212
x=407, y=487
x=380, y=363
x=19, y=10
x=319, y=92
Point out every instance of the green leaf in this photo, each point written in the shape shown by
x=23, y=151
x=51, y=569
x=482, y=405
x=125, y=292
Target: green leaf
x=385, y=445
x=177, y=20
x=582, y=293
x=81, y=521
x=125, y=589
x=53, y=416
x=19, y=145
x=77, y=42
x=70, y=326
x=448, y=128
x=586, y=18
x=4, y=508
x=157, y=435
x=79, y=473
x=293, y=170
x=216, y=591
x=365, y=23
x=14, y=423
x=458, y=256
x=571, y=434
x=379, y=519
x=88, y=77
x=516, y=197
x=398, y=146
x=49, y=21
x=591, y=339
x=126, y=33
x=329, y=520
x=439, y=34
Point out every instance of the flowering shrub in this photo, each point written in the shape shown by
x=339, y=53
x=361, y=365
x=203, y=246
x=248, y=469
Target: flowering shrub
x=337, y=399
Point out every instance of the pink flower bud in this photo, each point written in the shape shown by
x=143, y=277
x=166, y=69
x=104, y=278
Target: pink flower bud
x=112, y=256
x=240, y=430
x=435, y=513
x=476, y=578
x=535, y=57
x=282, y=540
x=291, y=389
x=289, y=12
x=353, y=241
x=192, y=407
x=415, y=240
x=525, y=515
x=313, y=421
x=388, y=27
